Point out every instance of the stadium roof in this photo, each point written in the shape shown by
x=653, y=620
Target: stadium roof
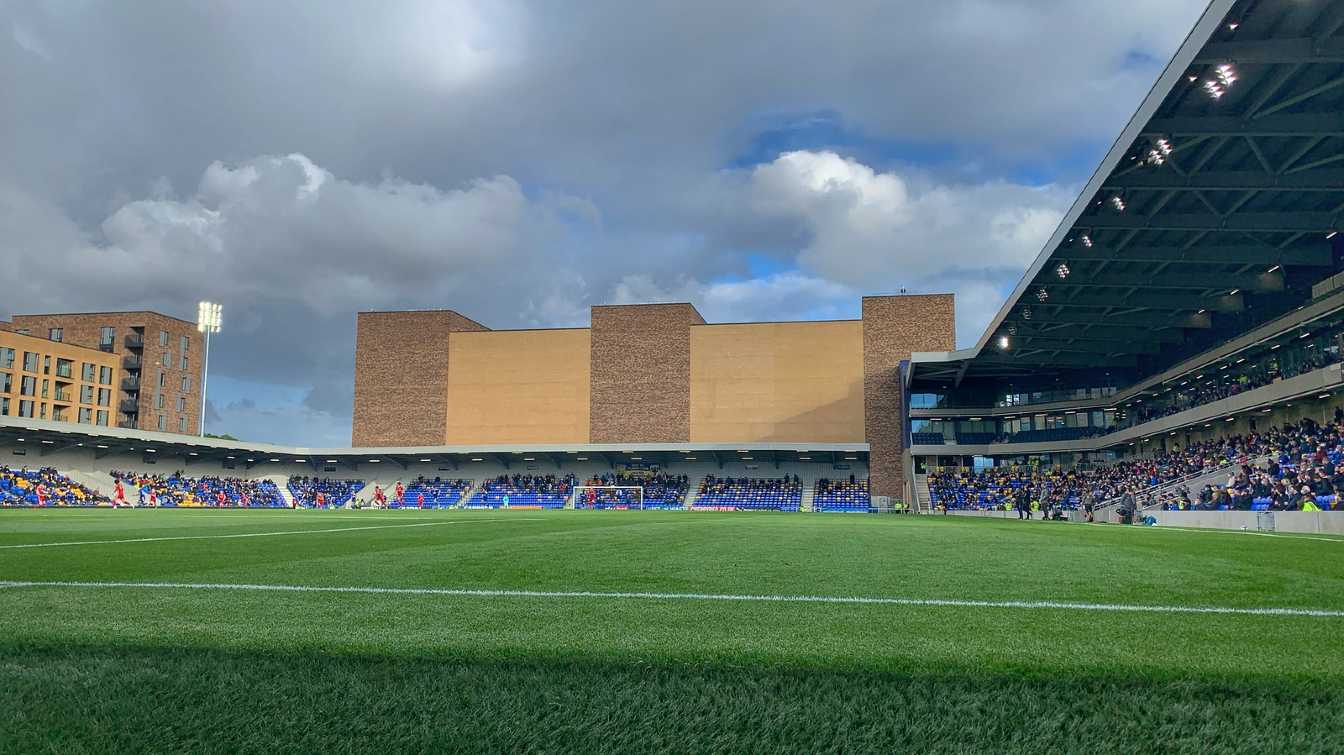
x=44, y=437
x=1215, y=210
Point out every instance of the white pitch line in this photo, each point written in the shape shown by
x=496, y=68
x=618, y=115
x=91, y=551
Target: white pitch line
x=1215, y=531
x=260, y=534
x=842, y=600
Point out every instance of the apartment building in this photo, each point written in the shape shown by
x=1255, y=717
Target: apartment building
x=56, y=381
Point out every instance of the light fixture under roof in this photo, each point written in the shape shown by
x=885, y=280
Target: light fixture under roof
x=1026, y=313
x=1062, y=270
x=1087, y=241
x=1003, y=342
x=1118, y=203
x=1042, y=294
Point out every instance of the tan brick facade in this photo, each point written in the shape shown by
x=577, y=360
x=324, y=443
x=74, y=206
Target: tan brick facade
x=641, y=373
x=60, y=382
x=401, y=376
x=166, y=395
x=893, y=327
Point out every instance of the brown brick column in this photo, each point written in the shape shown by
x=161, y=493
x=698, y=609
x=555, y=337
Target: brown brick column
x=641, y=373
x=893, y=327
x=401, y=376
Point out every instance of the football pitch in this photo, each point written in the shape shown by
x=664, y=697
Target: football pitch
x=264, y=631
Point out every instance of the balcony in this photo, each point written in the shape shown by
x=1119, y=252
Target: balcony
x=130, y=406
x=130, y=384
x=127, y=424
x=62, y=396
x=134, y=341
x=131, y=362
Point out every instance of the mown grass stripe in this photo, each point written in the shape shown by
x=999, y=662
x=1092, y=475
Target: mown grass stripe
x=843, y=600
x=68, y=543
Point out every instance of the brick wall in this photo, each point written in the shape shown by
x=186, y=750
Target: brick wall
x=893, y=327
x=401, y=376
x=84, y=329
x=641, y=373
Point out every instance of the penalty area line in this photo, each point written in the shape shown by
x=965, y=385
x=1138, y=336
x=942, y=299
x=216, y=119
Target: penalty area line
x=702, y=597
x=262, y=534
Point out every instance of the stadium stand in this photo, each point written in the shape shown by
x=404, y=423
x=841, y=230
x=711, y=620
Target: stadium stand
x=661, y=491
x=1301, y=472
x=176, y=490
x=336, y=493
x=438, y=493
x=841, y=495
x=44, y=487
x=750, y=494
x=524, y=491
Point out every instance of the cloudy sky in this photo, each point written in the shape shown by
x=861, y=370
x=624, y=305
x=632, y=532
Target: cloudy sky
x=299, y=161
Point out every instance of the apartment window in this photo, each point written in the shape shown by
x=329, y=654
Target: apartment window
x=185, y=344
x=186, y=384
x=56, y=334
x=163, y=341
x=102, y=418
x=85, y=416
x=30, y=361
x=182, y=425
x=25, y=408
x=88, y=372
x=4, y=407
x=167, y=359
x=46, y=365
x=6, y=382
x=184, y=361
x=46, y=388
x=181, y=404
x=65, y=368
x=6, y=358
x=158, y=400
x=105, y=375
x=28, y=386
x=107, y=336
x=163, y=379
x=104, y=397
x=163, y=422
x=86, y=394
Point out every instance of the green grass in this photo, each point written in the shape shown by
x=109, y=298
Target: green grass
x=85, y=670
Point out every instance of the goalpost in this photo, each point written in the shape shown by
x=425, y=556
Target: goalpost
x=609, y=497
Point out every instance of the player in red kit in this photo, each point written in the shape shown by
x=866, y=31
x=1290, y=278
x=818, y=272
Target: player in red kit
x=420, y=500
x=400, y=496
x=321, y=500
x=119, y=495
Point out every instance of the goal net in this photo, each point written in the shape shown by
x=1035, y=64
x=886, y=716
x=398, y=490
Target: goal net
x=608, y=496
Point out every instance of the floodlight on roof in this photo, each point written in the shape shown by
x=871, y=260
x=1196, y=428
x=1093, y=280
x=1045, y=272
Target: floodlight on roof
x=1062, y=270
x=1004, y=342
x=1042, y=294
x=1087, y=241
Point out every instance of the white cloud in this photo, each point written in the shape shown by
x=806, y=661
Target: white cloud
x=862, y=226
